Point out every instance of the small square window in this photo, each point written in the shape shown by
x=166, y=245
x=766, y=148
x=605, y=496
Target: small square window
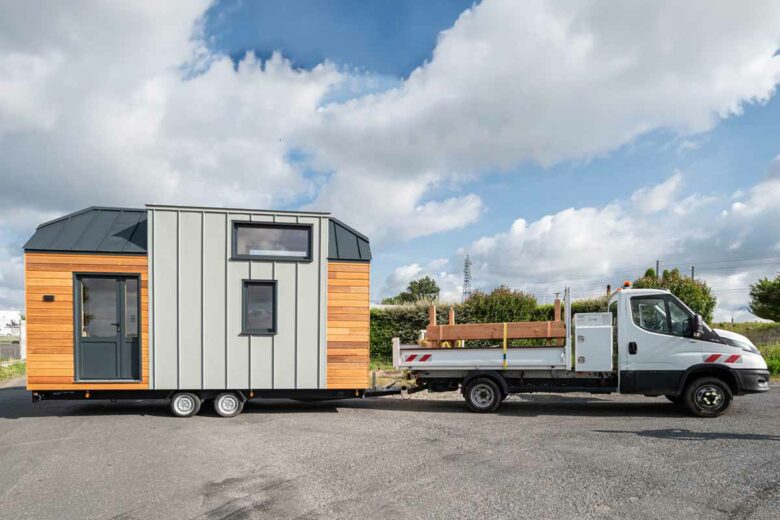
x=259, y=308
x=272, y=241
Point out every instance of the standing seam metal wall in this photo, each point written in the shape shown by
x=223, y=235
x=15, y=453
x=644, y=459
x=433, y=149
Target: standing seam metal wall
x=195, y=305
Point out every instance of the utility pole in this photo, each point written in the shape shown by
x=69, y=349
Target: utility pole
x=657, y=269
x=466, y=278
x=693, y=271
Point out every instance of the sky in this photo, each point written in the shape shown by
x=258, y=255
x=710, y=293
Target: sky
x=556, y=143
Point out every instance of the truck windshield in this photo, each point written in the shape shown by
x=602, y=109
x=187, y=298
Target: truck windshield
x=662, y=314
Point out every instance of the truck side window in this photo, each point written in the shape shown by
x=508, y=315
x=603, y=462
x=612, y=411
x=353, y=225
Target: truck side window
x=680, y=318
x=650, y=313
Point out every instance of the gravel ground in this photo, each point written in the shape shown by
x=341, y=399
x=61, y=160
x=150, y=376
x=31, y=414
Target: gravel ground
x=540, y=456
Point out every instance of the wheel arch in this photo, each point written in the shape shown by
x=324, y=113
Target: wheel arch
x=726, y=374
x=496, y=376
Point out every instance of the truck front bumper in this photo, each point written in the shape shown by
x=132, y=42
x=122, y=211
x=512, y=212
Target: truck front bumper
x=752, y=381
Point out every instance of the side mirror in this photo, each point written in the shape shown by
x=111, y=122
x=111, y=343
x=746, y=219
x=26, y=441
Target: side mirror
x=697, y=326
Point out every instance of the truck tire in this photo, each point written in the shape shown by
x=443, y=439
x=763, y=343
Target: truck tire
x=482, y=395
x=707, y=397
x=185, y=404
x=228, y=404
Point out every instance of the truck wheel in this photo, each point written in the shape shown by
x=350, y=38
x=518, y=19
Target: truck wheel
x=707, y=397
x=482, y=395
x=185, y=404
x=228, y=404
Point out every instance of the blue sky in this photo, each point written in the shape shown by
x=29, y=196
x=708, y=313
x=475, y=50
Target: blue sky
x=556, y=143
x=390, y=39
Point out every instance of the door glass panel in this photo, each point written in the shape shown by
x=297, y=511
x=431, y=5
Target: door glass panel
x=680, y=318
x=131, y=308
x=650, y=314
x=98, y=307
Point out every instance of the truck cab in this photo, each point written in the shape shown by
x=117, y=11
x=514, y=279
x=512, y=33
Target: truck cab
x=664, y=348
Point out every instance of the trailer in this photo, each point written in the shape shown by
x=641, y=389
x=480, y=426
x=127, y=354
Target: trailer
x=197, y=303
x=649, y=343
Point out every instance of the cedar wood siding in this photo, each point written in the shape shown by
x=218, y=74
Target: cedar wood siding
x=50, y=335
x=348, y=324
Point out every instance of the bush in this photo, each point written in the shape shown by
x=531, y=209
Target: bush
x=771, y=354
x=696, y=294
x=765, y=298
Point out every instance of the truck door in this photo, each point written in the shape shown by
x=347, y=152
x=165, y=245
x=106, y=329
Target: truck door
x=658, y=345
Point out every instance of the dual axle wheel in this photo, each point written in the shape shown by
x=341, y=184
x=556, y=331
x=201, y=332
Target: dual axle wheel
x=187, y=404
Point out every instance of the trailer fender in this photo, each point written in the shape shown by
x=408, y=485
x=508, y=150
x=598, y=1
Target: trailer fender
x=495, y=375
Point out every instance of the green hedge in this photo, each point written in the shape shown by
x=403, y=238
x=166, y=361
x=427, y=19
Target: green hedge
x=406, y=321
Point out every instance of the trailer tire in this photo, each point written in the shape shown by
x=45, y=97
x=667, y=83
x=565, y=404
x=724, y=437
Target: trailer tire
x=228, y=404
x=707, y=397
x=185, y=404
x=482, y=395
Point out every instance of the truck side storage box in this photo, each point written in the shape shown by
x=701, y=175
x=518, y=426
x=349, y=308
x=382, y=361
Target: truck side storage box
x=593, y=342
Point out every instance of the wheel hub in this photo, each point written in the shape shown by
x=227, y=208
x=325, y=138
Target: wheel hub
x=228, y=404
x=709, y=397
x=482, y=395
x=184, y=404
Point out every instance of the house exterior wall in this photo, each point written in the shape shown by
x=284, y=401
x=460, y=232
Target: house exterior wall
x=195, y=305
x=50, y=334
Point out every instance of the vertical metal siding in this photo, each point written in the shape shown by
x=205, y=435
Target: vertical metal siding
x=215, y=239
x=196, y=304
x=165, y=295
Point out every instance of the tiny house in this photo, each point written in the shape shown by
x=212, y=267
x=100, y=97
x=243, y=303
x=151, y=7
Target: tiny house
x=194, y=303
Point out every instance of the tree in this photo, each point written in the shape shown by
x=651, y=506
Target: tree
x=422, y=290
x=696, y=294
x=765, y=298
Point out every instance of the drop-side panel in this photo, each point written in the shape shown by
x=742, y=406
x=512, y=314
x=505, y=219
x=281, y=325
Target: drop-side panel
x=215, y=241
x=166, y=300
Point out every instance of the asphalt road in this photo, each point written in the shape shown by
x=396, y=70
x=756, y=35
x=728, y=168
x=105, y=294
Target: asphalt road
x=543, y=456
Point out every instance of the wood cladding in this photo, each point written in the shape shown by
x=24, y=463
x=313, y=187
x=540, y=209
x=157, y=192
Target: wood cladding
x=50, y=335
x=348, y=322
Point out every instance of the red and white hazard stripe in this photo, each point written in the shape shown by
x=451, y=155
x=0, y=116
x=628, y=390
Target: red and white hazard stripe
x=723, y=358
x=421, y=358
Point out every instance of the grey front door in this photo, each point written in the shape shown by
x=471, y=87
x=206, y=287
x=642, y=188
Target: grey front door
x=107, y=328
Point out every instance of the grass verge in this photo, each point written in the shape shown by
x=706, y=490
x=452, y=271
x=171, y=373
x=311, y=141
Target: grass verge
x=13, y=370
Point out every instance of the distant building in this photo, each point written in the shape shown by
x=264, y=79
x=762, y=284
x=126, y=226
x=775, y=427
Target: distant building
x=10, y=322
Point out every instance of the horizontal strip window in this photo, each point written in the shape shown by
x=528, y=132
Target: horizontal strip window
x=259, y=308
x=280, y=242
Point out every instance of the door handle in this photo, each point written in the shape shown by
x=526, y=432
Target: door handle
x=632, y=347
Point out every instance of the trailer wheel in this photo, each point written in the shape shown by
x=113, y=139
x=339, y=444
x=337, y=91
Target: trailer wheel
x=228, y=404
x=707, y=397
x=482, y=395
x=185, y=404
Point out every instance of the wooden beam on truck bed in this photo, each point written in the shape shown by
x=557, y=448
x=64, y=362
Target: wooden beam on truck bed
x=515, y=330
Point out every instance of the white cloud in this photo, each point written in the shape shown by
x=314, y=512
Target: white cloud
x=654, y=199
x=450, y=284
x=588, y=248
x=113, y=103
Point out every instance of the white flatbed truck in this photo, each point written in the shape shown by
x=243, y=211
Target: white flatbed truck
x=649, y=343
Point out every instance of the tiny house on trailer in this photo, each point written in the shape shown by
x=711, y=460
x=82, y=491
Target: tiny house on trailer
x=194, y=303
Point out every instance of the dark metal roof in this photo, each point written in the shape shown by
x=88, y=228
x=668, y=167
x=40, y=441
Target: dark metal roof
x=93, y=230
x=344, y=243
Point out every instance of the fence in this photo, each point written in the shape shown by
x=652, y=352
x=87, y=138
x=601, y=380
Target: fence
x=10, y=350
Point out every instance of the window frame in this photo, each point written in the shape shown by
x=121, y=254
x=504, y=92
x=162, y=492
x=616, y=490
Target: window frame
x=666, y=298
x=245, y=331
x=238, y=224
